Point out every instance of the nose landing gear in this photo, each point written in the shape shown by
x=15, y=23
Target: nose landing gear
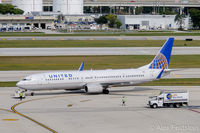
x=22, y=93
x=19, y=93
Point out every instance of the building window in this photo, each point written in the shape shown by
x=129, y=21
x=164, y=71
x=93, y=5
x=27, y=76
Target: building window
x=43, y=25
x=47, y=8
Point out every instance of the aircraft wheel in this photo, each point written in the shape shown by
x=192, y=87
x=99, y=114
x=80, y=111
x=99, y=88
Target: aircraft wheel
x=178, y=105
x=105, y=91
x=32, y=93
x=171, y=105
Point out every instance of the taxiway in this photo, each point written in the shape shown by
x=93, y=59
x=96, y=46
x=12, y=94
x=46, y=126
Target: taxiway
x=95, y=51
x=80, y=113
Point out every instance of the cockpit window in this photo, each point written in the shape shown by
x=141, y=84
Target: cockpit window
x=26, y=79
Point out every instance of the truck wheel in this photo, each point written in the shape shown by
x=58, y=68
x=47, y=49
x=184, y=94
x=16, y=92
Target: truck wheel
x=177, y=105
x=171, y=105
x=154, y=106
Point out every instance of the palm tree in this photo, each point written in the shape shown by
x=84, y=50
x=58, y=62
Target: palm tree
x=180, y=20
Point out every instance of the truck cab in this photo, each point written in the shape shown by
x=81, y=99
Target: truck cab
x=156, y=101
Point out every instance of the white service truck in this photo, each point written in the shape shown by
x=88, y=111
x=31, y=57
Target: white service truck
x=169, y=99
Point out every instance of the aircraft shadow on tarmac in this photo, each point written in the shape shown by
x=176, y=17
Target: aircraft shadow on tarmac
x=134, y=89
x=59, y=93
x=112, y=92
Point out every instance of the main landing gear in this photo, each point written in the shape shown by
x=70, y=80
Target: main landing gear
x=105, y=91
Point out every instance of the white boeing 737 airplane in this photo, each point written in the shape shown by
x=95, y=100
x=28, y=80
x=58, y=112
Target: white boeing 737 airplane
x=98, y=81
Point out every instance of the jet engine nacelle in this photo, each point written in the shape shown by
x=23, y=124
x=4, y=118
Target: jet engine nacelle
x=94, y=88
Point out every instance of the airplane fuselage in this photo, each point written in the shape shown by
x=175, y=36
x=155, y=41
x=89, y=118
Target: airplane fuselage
x=78, y=79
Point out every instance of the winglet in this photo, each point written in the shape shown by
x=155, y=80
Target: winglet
x=81, y=66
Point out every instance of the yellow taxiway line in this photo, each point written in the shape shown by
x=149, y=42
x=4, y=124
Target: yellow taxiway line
x=10, y=119
x=29, y=118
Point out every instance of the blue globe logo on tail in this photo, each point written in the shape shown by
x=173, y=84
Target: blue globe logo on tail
x=161, y=61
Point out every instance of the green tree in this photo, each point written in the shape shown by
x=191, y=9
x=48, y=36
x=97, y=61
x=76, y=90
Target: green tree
x=101, y=20
x=195, y=17
x=118, y=23
x=10, y=9
x=111, y=20
x=179, y=19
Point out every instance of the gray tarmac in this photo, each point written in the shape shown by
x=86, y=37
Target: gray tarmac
x=18, y=75
x=101, y=38
x=99, y=113
x=94, y=51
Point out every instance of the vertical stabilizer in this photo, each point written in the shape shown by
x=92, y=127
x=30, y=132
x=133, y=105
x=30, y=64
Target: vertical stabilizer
x=162, y=59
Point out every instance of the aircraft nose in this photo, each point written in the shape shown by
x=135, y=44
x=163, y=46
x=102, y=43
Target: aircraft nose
x=19, y=84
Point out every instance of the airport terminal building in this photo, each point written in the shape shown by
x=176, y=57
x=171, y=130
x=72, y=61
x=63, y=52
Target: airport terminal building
x=21, y=22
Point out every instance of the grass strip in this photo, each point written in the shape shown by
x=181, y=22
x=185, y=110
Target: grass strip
x=8, y=84
x=91, y=62
x=104, y=34
x=93, y=43
x=162, y=82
